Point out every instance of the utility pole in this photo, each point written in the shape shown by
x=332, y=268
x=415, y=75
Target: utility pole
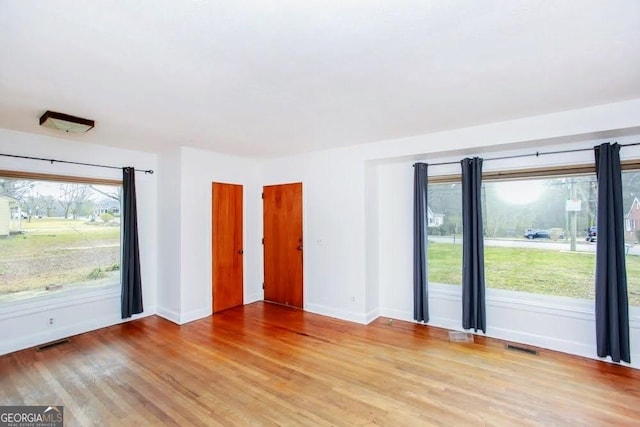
x=572, y=216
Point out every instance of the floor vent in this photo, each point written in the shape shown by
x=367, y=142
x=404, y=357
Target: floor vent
x=457, y=336
x=521, y=349
x=51, y=344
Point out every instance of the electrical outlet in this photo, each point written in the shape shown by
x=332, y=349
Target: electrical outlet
x=353, y=299
x=50, y=321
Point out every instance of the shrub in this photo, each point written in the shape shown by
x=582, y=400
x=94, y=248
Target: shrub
x=114, y=267
x=106, y=217
x=96, y=273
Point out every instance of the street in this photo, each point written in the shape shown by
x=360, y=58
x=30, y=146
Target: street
x=564, y=245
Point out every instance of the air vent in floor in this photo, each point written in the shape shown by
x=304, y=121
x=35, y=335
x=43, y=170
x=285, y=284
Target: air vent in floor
x=457, y=336
x=527, y=350
x=52, y=344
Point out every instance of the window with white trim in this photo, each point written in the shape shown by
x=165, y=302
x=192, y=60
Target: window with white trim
x=540, y=232
x=57, y=233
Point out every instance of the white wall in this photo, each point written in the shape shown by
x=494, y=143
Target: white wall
x=372, y=240
x=569, y=126
x=25, y=324
x=169, y=225
x=333, y=185
x=358, y=199
x=562, y=324
x=187, y=206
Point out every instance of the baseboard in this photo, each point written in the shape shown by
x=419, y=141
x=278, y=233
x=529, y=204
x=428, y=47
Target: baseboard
x=338, y=314
x=372, y=315
x=396, y=314
x=29, y=323
x=446, y=323
x=182, y=318
x=561, y=345
x=172, y=316
x=193, y=315
x=254, y=297
x=407, y=316
x=66, y=332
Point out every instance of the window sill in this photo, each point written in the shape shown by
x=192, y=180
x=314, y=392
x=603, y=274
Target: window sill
x=36, y=302
x=539, y=303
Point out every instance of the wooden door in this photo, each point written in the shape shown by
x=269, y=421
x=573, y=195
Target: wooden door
x=282, y=221
x=227, y=252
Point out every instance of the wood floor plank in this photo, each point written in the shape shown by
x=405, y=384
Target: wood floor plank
x=264, y=364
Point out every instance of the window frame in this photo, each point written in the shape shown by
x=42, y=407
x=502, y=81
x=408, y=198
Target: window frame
x=542, y=172
x=534, y=173
x=65, y=296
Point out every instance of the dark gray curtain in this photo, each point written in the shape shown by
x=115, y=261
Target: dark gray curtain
x=612, y=309
x=131, y=279
x=420, y=220
x=473, y=304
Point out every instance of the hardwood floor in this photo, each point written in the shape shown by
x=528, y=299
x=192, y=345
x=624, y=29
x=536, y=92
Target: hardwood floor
x=265, y=364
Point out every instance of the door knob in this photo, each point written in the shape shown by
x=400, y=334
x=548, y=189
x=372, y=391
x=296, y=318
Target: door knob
x=241, y=251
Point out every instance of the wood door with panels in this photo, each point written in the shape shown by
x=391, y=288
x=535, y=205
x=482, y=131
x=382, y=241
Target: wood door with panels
x=282, y=244
x=226, y=241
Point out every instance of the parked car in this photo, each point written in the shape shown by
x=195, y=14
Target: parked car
x=591, y=234
x=537, y=234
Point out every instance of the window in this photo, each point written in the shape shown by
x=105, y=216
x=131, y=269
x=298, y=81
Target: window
x=536, y=235
x=57, y=234
x=540, y=232
x=630, y=200
x=445, y=233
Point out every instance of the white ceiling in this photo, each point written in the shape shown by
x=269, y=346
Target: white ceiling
x=267, y=78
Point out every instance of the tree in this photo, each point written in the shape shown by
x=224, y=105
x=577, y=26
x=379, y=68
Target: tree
x=115, y=195
x=46, y=203
x=106, y=217
x=630, y=188
x=16, y=188
x=72, y=197
x=30, y=204
x=446, y=199
x=587, y=192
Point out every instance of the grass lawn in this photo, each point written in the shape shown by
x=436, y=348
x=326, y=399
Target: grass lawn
x=58, y=251
x=542, y=271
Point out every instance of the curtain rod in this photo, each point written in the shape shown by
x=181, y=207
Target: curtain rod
x=52, y=161
x=537, y=154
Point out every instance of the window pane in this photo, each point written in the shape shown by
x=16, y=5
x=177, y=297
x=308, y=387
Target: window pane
x=55, y=235
x=631, y=197
x=445, y=233
x=540, y=234
x=536, y=235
